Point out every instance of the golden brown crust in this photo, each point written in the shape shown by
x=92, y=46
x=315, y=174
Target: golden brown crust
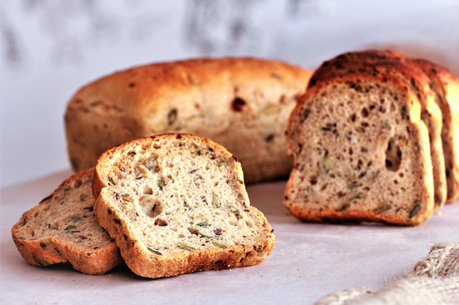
x=145, y=262
x=355, y=210
x=53, y=249
x=229, y=100
x=447, y=85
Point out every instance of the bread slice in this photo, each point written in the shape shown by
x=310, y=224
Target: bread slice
x=407, y=70
x=230, y=100
x=176, y=203
x=446, y=86
x=360, y=151
x=63, y=228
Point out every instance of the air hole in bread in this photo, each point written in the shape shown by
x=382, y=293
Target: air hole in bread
x=160, y=222
x=365, y=112
x=150, y=206
x=77, y=183
x=238, y=104
x=392, y=107
x=148, y=190
x=393, y=156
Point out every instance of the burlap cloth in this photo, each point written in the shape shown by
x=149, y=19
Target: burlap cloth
x=435, y=280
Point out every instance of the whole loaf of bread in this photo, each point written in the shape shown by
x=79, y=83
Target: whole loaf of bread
x=240, y=103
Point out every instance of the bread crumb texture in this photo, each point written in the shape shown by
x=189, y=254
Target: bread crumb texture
x=63, y=228
x=360, y=153
x=176, y=203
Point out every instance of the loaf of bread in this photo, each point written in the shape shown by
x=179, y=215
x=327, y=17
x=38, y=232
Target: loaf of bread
x=240, y=103
x=407, y=70
x=446, y=86
x=63, y=228
x=176, y=203
x=361, y=152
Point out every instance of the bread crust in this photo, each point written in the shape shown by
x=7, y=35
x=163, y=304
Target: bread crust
x=54, y=249
x=447, y=88
x=136, y=253
x=355, y=209
x=407, y=70
x=229, y=100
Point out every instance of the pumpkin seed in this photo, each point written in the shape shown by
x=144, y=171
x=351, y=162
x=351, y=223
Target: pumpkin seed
x=217, y=201
x=355, y=195
x=384, y=209
x=111, y=180
x=415, y=210
x=203, y=152
x=184, y=246
x=233, y=209
x=217, y=244
x=204, y=224
x=204, y=234
x=344, y=207
x=74, y=219
x=154, y=251
x=162, y=183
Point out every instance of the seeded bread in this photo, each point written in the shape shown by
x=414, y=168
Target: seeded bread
x=176, y=203
x=404, y=68
x=361, y=152
x=446, y=85
x=229, y=100
x=63, y=228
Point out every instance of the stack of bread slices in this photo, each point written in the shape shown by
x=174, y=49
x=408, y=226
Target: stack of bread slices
x=169, y=204
x=374, y=138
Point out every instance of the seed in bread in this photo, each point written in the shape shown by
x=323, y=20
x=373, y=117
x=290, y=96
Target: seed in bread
x=176, y=203
x=360, y=151
x=63, y=228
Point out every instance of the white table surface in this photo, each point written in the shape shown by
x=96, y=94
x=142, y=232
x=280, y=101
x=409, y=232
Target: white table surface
x=308, y=262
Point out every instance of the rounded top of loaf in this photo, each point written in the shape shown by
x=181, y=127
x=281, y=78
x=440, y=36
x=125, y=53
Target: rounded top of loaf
x=152, y=87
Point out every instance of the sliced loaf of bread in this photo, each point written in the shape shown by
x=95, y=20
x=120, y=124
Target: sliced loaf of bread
x=361, y=152
x=406, y=69
x=446, y=86
x=63, y=228
x=176, y=203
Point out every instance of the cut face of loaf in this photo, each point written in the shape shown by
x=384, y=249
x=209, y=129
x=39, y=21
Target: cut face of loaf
x=446, y=86
x=63, y=228
x=360, y=151
x=229, y=100
x=404, y=68
x=176, y=203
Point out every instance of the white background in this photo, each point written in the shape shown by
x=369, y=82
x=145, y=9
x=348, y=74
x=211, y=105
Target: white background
x=50, y=48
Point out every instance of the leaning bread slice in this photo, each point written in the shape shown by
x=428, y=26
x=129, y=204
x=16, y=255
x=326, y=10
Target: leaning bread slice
x=408, y=71
x=63, y=228
x=360, y=151
x=446, y=86
x=176, y=203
